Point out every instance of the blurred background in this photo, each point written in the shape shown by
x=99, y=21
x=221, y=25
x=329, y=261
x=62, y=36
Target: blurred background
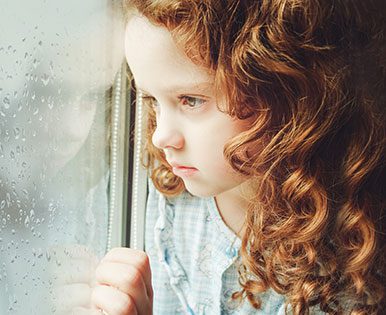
x=62, y=82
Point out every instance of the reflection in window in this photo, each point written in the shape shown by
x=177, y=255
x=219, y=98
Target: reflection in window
x=58, y=61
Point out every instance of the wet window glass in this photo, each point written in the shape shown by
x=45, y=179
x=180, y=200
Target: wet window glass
x=60, y=85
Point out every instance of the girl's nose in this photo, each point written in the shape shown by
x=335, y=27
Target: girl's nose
x=167, y=135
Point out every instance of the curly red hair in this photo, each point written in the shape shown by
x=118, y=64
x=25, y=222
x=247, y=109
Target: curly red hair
x=312, y=76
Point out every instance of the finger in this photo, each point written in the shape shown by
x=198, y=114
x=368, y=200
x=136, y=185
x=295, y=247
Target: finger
x=133, y=257
x=113, y=301
x=127, y=279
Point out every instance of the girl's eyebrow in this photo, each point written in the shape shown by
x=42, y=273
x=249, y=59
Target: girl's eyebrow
x=183, y=88
x=202, y=86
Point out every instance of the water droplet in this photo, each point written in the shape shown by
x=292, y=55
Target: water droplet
x=35, y=63
x=6, y=102
x=25, y=192
x=26, y=221
x=45, y=79
x=16, y=131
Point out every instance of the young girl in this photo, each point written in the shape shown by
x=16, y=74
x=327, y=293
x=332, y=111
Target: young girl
x=266, y=152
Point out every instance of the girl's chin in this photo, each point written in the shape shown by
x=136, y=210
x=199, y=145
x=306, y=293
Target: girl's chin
x=199, y=190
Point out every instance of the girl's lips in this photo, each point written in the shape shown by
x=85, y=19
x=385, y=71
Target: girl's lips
x=184, y=171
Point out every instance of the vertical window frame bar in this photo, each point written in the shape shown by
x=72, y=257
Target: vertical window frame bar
x=119, y=153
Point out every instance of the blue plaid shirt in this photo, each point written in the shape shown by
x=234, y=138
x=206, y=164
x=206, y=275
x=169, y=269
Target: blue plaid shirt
x=194, y=259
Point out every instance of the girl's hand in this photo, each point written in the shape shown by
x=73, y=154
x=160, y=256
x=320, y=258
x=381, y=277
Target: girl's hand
x=124, y=283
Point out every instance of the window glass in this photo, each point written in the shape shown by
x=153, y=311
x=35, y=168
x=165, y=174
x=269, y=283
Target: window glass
x=58, y=64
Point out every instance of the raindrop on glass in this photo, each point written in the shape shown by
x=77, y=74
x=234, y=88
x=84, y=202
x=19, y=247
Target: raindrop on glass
x=45, y=79
x=26, y=221
x=16, y=131
x=35, y=63
x=6, y=102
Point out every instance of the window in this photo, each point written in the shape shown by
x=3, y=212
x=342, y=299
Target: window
x=64, y=150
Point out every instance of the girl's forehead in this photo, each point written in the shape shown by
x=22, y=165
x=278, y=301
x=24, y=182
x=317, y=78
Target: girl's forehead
x=140, y=28
x=156, y=60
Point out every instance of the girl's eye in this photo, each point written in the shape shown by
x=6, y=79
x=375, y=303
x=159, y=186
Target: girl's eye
x=190, y=101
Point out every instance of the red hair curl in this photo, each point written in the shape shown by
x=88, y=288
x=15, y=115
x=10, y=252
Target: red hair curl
x=311, y=74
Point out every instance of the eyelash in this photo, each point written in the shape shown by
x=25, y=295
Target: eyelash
x=186, y=98
x=183, y=100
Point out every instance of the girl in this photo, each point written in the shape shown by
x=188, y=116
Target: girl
x=266, y=152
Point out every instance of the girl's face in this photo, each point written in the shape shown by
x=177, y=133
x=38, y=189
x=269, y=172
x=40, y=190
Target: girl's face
x=190, y=129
